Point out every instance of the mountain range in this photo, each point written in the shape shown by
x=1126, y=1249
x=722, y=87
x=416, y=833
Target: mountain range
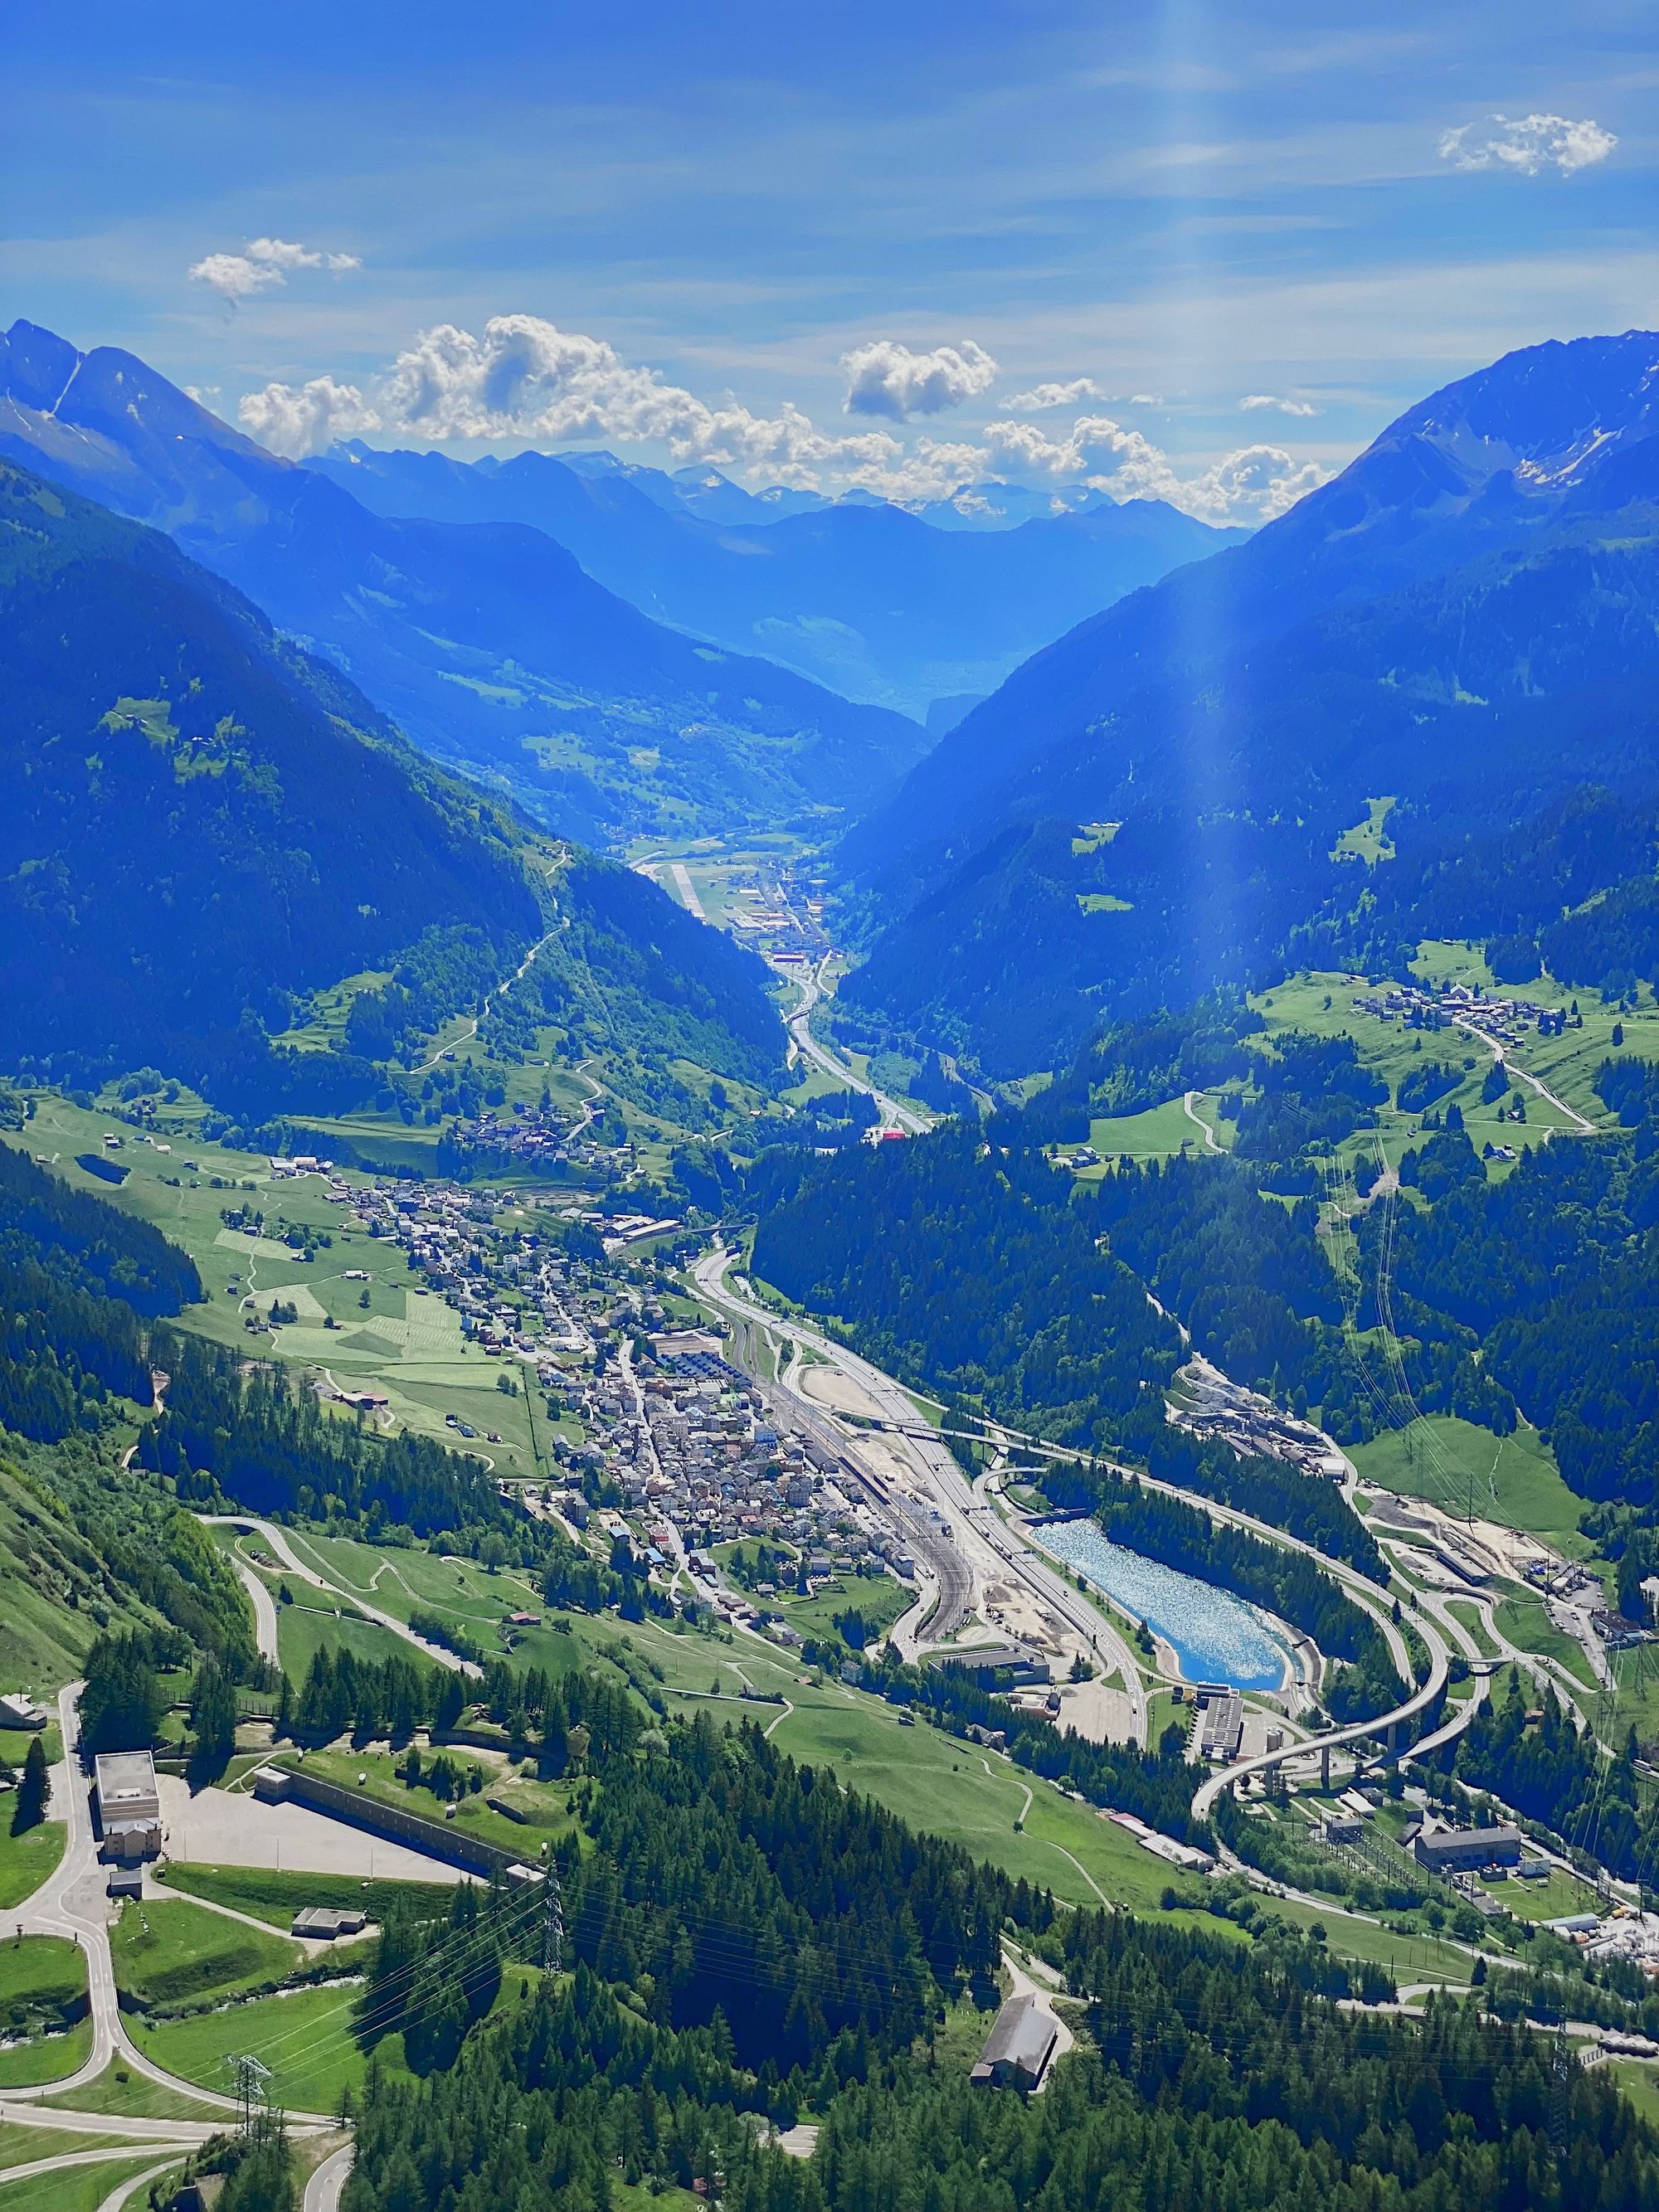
x=896, y=608
x=1462, y=621
x=611, y=646
x=206, y=823
x=492, y=648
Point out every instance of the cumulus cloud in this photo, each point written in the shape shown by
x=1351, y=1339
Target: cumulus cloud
x=1255, y=403
x=263, y=264
x=1526, y=145
x=1044, y=396
x=524, y=379
x=885, y=378
x=1252, y=485
x=298, y=419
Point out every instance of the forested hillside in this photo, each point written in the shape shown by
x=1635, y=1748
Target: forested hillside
x=203, y=819
x=210, y=825
x=1156, y=805
x=968, y=1270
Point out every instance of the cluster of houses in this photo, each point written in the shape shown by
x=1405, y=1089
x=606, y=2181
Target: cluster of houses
x=1504, y=1021
x=708, y=1458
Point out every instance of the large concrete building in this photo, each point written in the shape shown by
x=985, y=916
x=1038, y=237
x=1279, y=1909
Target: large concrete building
x=1019, y=2047
x=128, y=1806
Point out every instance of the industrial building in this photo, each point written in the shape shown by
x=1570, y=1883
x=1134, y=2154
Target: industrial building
x=1220, y=1724
x=1019, y=2047
x=1464, y=1851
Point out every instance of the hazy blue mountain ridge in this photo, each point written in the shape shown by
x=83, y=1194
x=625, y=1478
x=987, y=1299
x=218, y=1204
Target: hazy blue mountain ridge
x=879, y=604
x=496, y=652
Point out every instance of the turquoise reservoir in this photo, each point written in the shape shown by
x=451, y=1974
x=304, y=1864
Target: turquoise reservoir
x=1215, y=1637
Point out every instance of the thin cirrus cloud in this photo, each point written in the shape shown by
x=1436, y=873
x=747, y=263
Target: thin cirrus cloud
x=525, y=380
x=1258, y=402
x=262, y=265
x=886, y=379
x=1527, y=145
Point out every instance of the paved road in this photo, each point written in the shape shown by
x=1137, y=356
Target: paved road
x=1194, y=1116
x=124, y=2191
x=293, y=1565
x=323, y=2190
x=264, y=1610
x=1023, y=1984
x=1582, y=1128
x=73, y=1901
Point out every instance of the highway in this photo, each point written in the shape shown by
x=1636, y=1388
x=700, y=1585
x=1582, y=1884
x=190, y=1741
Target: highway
x=893, y=1115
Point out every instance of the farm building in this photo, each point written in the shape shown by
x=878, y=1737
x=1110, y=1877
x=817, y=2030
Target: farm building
x=1019, y=2047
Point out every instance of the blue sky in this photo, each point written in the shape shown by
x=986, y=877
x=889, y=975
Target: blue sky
x=1185, y=206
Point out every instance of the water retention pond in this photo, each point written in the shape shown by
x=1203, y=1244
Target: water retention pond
x=1215, y=1637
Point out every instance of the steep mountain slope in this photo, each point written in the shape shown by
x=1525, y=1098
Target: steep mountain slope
x=204, y=823
x=879, y=604
x=492, y=648
x=198, y=816
x=1462, y=621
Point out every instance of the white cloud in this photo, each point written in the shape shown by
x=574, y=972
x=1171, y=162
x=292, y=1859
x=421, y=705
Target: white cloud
x=263, y=264
x=1255, y=403
x=1043, y=396
x=1251, y=485
x=524, y=379
x=1527, y=144
x=885, y=378
x=304, y=418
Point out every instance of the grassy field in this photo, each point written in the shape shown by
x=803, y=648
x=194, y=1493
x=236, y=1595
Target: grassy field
x=41, y=1979
x=1368, y=840
x=1474, y=1621
x=1553, y=1900
x=123, y=2092
x=165, y=1948
x=23, y=2146
x=403, y=1582
x=46, y=2058
x=303, y=1629
x=266, y=1894
x=1157, y=1133
x=545, y=1806
x=1567, y=1065
x=305, y=2039
x=878, y=1597
x=1454, y=1465
x=1640, y=2083
x=1409, y=1954
x=27, y=1860
x=83, y=2188
x=406, y=1342
x=1526, y=1623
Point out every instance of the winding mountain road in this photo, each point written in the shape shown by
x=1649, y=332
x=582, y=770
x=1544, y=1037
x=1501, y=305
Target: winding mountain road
x=293, y=1565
